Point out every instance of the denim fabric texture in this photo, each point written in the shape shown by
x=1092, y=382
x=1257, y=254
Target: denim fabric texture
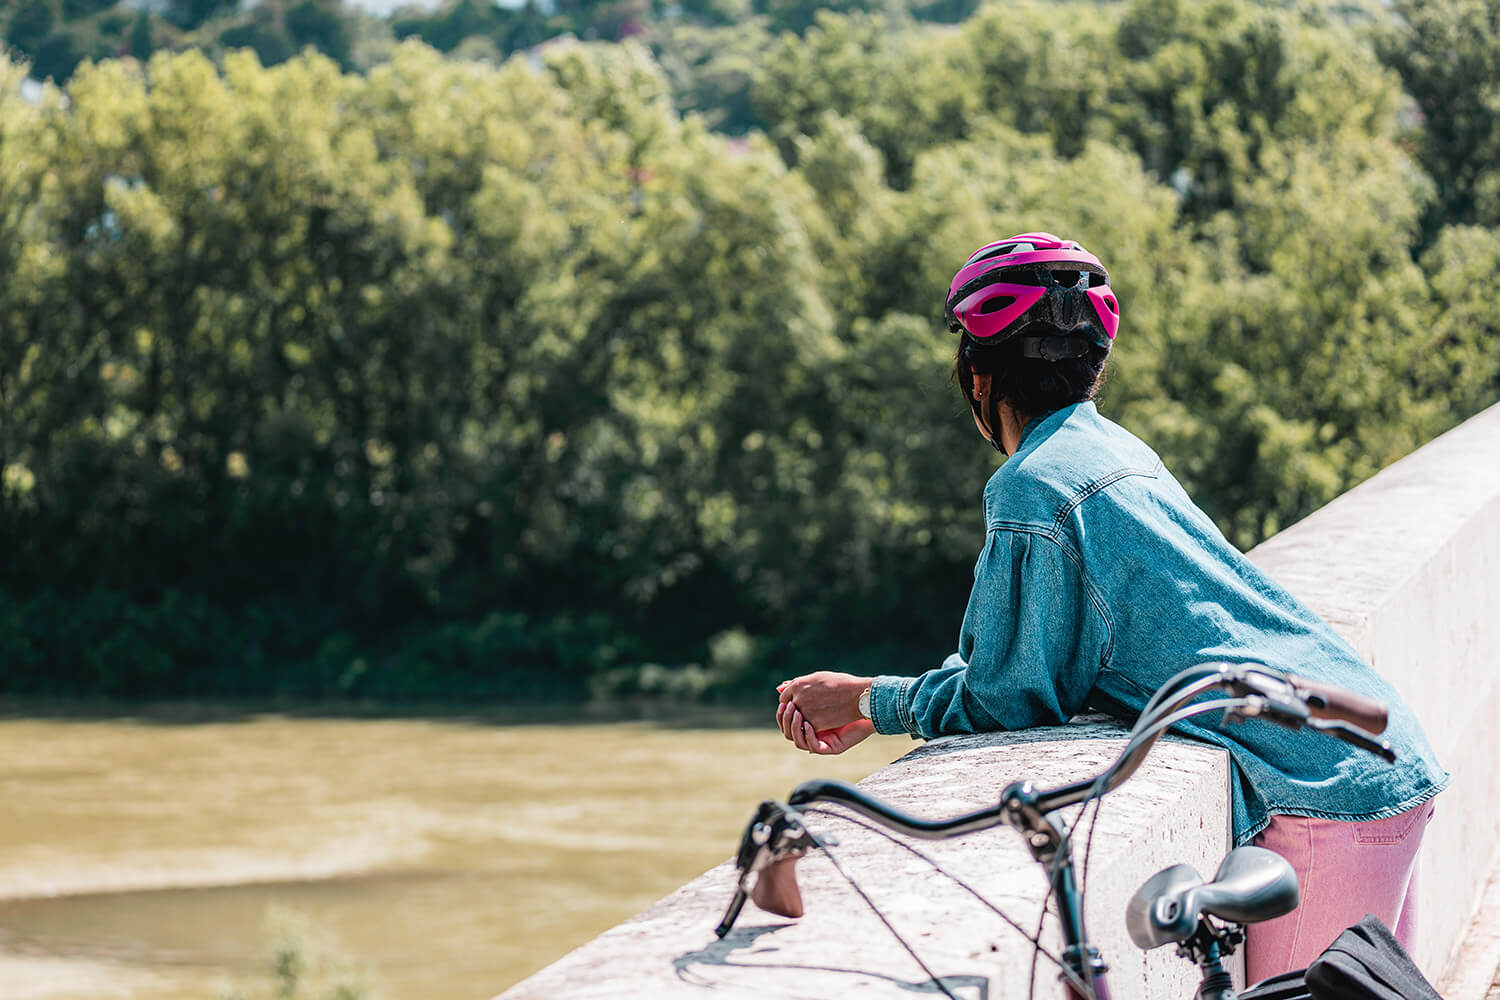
x=1099, y=579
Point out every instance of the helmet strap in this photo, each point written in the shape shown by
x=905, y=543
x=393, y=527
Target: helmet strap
x=997, y=429
x=986, y=406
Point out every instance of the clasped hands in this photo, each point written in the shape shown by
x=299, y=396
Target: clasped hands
x=819, y=712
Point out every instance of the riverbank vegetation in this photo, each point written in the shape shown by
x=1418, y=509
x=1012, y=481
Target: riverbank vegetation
x=616, y=369
x=302, y=968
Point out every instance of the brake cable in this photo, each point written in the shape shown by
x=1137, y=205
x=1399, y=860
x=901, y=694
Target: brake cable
x=932, y=976
x=1033, y=940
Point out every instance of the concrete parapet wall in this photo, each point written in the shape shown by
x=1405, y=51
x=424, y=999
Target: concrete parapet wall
x=1405, y=566
x=1174, y=810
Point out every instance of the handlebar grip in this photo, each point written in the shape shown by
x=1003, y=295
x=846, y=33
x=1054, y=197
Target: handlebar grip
x=776, y=890
x=1324, y=701
x=732, y=913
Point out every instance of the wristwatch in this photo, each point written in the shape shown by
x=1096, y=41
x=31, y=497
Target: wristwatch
x=864, y=702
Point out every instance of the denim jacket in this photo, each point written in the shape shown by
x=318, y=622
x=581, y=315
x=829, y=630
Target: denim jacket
x=1099, y=580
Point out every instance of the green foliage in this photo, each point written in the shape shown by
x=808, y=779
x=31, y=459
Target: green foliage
x=1209, y=88
x=906, y=91
x=58, y=34
x=320, y=24
x=453, y=379
x=1454, y=357
x=799, y=15
x=1448, y=55
x=189, y=14
x=30, y=22
x=55, y=57
x=446, y=28
x=711, y=69
x=303, y=969
x=142, y=40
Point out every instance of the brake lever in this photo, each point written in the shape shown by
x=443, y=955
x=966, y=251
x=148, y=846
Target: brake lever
x=1356, y=737
x=733, y=912
x=1288, y=712
x=1276, y=699
x=752, y=844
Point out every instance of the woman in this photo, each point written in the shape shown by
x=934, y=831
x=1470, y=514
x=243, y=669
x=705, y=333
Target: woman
x=1099, y=579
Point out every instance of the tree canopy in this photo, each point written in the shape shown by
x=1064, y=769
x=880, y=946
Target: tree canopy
x=617, y=368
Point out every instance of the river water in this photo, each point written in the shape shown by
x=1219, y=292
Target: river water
x=437, y=859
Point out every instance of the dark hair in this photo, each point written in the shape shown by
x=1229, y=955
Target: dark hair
x=1031, y=386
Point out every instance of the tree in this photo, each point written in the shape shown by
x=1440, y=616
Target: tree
x=1448, y=55
x=322, y=25
x=190, y=14
x=459, y=378
x=1200, y=90
x=907, y=93
x=55, y=57
x=142, y=41
x=31, y=22
x=262, y=34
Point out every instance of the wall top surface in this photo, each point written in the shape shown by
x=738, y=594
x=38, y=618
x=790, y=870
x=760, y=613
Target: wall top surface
x=1173, y=810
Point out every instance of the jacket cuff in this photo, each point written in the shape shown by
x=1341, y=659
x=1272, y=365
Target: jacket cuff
x=890, y=705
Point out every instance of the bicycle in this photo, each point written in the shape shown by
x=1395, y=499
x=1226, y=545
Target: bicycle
x=1204, y=919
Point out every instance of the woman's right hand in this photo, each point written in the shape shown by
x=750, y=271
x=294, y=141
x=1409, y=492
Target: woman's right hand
x=825, y=741
x=831, y=741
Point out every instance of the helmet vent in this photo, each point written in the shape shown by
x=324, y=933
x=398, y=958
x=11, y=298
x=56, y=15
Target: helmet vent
x=1003, y=250
x=996, y=303
x=1096, y=279
x=1068, y=279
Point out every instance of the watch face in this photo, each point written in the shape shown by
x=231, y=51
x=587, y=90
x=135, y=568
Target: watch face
x=864, y=703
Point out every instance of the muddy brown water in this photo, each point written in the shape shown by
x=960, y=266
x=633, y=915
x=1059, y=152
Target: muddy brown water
x=435, y=859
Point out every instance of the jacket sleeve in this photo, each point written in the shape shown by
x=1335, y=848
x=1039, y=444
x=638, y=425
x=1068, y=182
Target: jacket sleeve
x=1033, y=640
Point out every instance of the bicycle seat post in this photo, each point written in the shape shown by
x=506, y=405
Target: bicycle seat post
x=1207, y=947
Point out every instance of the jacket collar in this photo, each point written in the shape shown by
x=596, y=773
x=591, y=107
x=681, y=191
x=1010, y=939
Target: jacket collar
x=1034, y=434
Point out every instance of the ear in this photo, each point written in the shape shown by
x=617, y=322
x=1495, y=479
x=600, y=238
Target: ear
x=981, y=385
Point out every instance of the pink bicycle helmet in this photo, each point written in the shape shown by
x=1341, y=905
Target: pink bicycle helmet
x=1051, y=292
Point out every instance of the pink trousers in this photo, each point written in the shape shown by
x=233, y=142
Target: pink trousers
x=1346, y=870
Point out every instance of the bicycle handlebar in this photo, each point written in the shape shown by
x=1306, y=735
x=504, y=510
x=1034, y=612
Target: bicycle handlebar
x=776, y=838
x=841, y=793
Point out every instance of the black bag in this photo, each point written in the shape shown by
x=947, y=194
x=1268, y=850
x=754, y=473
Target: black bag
x=1366, y=962
x=1287, y=986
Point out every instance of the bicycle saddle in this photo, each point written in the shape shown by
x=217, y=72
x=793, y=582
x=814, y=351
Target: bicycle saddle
x=1252, y=884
